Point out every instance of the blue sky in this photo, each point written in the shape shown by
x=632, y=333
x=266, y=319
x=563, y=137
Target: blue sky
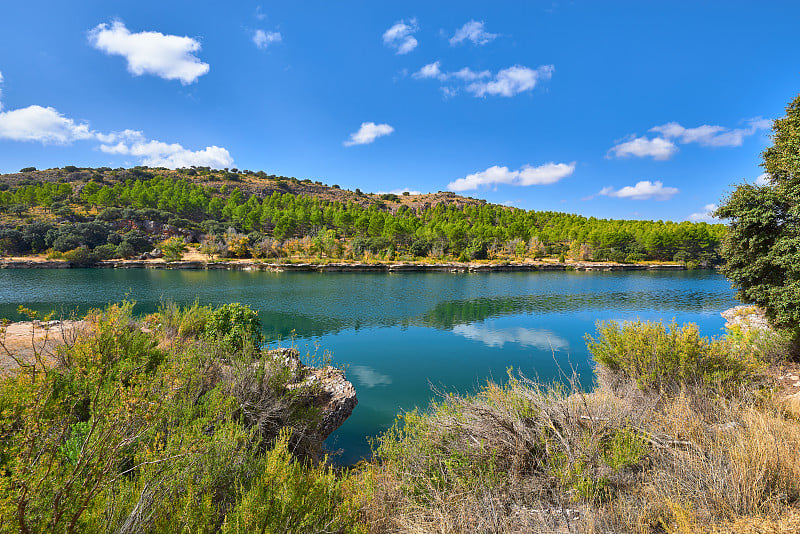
x=616, y=109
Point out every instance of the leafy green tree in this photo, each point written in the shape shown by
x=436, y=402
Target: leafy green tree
x=762, y=245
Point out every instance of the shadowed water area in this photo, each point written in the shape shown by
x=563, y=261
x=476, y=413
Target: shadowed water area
x=400, y=334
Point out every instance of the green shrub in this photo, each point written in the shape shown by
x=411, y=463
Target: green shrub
x=173, y=248
x=290, y=496
x=185, y=322
x=666, y=359
x=81, y=257
x=235, y=326
x=105, y=252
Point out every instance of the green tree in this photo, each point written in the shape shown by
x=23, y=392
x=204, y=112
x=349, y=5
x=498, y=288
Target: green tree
x=762, y=245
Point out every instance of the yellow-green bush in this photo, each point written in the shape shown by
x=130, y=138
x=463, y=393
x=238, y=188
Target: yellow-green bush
x=666, y=359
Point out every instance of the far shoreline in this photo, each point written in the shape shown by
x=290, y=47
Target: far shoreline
x=310, y=266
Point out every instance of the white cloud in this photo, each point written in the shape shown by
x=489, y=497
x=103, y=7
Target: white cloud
x=512, y=81
x=160, y=154
x=45, y=125
x=472, y=31
x=707, y=135
x=657, y=148
x=643, y=190
x=705, y=215
x=549, y=173
x=263, y=39
x=763, y=179
x=431, y=70
x=168, y=56
x=400, y=36
x=434, y=71
x=497, y=337
x=368, y=132
x=507, y=82
x=663, y=146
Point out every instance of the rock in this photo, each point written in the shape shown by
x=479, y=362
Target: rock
x=156, y=253
x=330, y=391
x=746, y=317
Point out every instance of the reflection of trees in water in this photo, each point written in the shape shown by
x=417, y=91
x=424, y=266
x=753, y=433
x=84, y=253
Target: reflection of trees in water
x=448, y=314
x=282, y=326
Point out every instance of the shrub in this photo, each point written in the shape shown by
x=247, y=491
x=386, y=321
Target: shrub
x=81, y=257
x=666, y=359
x=173, y=248
x=105, y=252
x=235, y=326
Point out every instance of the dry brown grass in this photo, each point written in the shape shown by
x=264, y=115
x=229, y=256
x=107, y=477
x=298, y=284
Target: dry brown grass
x=496, y=462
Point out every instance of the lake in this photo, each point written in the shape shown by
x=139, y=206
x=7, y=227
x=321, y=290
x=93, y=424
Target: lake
x=399, y=335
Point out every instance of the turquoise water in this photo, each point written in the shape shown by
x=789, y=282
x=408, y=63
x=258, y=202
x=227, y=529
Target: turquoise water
x=399, y=335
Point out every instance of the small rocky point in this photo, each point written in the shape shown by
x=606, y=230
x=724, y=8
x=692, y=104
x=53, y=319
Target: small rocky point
x=746, y=317
x=337, y=396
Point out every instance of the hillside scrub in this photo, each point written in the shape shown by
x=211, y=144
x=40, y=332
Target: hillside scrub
x=252, y=215
x=131, y=429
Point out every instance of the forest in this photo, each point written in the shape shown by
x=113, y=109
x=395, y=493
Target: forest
x=104, y=213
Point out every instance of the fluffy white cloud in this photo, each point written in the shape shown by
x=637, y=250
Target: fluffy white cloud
x=160, y=154
x=168, y=56
x=663, y=146
x=497, y=337
x=512, y=81
x=45, y=125
x=263, y=39
x=368, y=132
x=472, y=31
x=549, y=173
x=705, y=215
x=507, y=82
x=400, y=36
x=763, y=179
x=434, y=71
x=431, y=70
x=643, y=190
x=657, y=148
x=707, y=135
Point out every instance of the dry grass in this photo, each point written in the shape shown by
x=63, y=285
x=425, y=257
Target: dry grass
x=530, y=458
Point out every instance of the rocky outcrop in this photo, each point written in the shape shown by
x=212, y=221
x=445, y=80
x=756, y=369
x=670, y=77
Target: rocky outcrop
x=324, y=388
x=333, y=394
x=746, y=317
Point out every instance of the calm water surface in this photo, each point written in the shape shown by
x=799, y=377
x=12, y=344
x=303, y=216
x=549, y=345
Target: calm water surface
x=400, y=334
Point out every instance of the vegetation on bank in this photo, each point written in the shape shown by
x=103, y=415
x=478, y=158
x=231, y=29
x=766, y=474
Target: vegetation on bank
x=95, y=214
x=131, y=429
x=175, y=422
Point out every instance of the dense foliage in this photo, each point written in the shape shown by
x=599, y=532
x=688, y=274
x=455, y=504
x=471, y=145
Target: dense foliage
x=237, y=224
x=129, y=432
x=762, y=247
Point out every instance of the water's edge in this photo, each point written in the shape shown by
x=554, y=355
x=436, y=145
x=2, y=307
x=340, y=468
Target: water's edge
x=348, y=267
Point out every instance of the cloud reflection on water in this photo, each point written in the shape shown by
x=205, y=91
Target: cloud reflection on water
x=497, y=337
x=368, y=376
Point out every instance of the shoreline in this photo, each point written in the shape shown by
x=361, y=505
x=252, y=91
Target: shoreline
x=389, y=267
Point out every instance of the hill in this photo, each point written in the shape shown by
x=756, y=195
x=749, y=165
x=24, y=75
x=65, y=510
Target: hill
x=103, y=213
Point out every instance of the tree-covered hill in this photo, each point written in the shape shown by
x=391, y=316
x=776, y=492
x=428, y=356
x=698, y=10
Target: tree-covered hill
x=109, y=213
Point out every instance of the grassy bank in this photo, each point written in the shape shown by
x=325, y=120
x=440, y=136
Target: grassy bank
x=178, y=422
